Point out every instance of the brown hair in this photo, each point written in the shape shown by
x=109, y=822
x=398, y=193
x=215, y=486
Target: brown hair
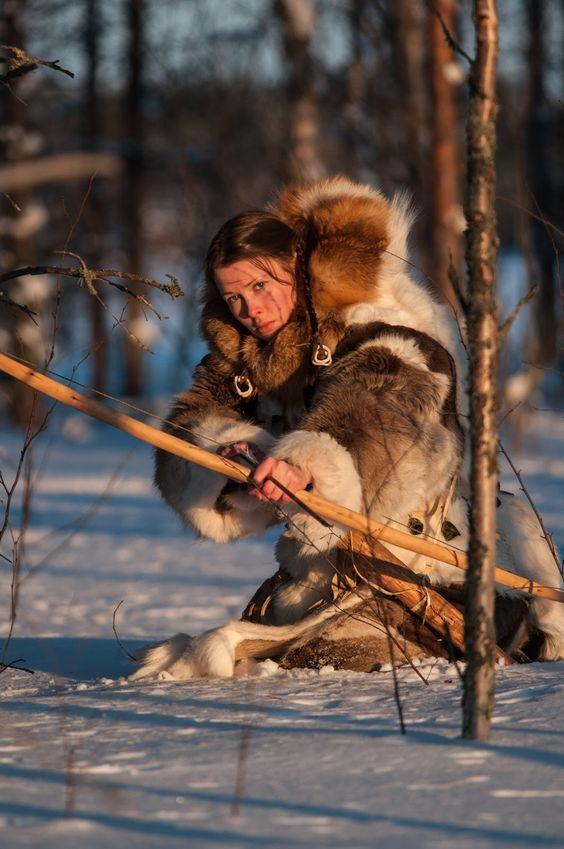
x=252, y=235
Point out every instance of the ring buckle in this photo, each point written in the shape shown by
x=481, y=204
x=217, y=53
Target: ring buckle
x=322, y=356
x=243, y=386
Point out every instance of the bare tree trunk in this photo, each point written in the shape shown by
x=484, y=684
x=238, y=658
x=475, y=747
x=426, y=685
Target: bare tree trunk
x=444, y=190
x=17, y=241
x=354, y=111
x=545, y=345
x=93, y=215
x=407, y=44
x=298, y=21
x=481, y=254
x=133, y=382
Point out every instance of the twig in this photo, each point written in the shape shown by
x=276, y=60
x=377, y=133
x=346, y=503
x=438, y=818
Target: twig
x=544, y=368
x=455, y=283
x=506, y=325
x=119, y=641
x=4, y=299
x=91, y=275
x=397, y=698
x=546, y=535
x=19, y=63
x=508, y=413
x=12, y=202
x=11, y=665
x=450, y=39
x=553, y=243
x=538, y=217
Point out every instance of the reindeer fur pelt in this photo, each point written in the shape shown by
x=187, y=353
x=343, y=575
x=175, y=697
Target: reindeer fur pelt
x=379, y=429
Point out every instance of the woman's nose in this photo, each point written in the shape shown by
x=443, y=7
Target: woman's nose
x=253, y=308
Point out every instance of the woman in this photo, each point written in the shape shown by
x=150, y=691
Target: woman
x=337, y=372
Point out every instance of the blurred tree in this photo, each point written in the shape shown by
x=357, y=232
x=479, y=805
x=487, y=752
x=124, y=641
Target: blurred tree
x=407, y=32
x=354, y=112
x=446, y=221
x=132, y=184
x=298, y=22
x=92, y=130
x=541, y=194
x=20, y=218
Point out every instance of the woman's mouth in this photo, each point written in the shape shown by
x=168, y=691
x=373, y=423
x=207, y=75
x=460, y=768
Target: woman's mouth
x=266, y=327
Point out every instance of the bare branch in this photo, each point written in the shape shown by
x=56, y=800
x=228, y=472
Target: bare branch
x=90, y=275
x=544, y=368
x=455, y=283
x=119, y=641
x=548, y=224
x=12, y=665
x=12, y=202
x=4, y=299
x=505, y=326
x=546, y=535
x=19, y=63
x=450, y=39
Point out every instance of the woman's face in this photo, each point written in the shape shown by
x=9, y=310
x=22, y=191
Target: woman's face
x=261, y=300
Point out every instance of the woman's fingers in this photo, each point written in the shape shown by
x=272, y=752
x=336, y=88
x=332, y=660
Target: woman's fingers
x=270, y=473
x=241, y=448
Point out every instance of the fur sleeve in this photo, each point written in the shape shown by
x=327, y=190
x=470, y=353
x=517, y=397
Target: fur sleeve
x=208, y=415
x=374, y=440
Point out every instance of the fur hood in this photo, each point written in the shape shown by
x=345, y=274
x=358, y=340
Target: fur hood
x=359, y=274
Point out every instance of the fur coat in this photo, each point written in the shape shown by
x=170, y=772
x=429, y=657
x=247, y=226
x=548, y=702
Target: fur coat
x=379, y=430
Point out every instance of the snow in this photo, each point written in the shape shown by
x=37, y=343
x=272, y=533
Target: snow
x=277, y=759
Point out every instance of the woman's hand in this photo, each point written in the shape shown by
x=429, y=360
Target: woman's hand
x=242, y=449
x=292, y=477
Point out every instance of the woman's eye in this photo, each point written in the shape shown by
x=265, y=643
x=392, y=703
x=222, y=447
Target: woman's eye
x=258, y=285
x=232, y=299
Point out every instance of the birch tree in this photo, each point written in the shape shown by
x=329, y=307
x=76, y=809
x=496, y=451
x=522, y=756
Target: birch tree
x=481, y=254
x=298, y=21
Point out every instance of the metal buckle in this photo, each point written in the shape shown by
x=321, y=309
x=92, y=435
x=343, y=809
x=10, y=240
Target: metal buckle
x=322, y=356
x=243, y=386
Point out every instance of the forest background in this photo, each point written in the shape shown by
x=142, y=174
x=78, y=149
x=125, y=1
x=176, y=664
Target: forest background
x=183, y=112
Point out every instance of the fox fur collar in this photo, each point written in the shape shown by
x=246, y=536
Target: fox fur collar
x=359, y=274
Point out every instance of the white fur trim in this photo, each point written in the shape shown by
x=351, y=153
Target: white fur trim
x=335, y=188
x=405, y=349
x=335, y=478
x=193, y=491
x=212, y=654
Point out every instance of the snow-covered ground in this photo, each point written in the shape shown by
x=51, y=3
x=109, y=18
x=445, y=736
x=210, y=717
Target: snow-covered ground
x=276, y=760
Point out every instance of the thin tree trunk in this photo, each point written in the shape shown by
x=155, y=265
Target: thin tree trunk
x=407, y=20
x=91, y=130
x=354, y=111
x=545, y=346
x=444, y=191
x=133, y=382
x=16, y=243
x=481, y=254
x=298, y=21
